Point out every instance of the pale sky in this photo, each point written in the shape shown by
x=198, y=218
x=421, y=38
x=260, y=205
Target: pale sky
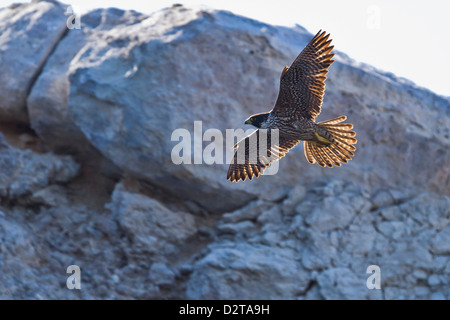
x=410, y=38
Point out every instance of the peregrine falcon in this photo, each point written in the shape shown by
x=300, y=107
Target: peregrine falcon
x=302, y=87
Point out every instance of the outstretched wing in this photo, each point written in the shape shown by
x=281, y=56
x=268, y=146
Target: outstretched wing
x=255, y=155
x=302, y=86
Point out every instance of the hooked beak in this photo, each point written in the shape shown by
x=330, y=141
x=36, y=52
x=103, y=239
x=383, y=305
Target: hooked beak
x=247, y=121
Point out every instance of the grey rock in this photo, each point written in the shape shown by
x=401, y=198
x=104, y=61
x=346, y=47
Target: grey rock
x=313, y=294
x=393, y=293
x=335, y=212
x=392, y=229
x=24, y=172
x=52, y=195
x=420, y=274
x=441, y=243
x=382, y=198
x=152, y=228
x=47, y=101
x=437, y=296
x=249, y=212
x=295, y=195
x=18, y=256
x=422, y=292
x=434, y=280
x=29, y=32
x=342, y=283
x=271, y=215
x=160, y=274
x=17, y=244
x=234, y=228
x=245, y=271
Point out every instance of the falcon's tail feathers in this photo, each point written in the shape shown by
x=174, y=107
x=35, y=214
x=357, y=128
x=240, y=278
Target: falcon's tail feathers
x=335, y=150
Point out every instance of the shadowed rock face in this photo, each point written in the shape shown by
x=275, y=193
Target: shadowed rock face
x=111, y=93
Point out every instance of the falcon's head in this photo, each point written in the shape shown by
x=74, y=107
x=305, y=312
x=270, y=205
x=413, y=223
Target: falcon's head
x=258, y=120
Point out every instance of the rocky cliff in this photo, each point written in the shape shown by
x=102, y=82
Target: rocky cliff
x=87, y=178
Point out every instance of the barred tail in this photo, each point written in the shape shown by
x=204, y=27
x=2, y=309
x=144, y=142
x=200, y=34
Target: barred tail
x=336, y=147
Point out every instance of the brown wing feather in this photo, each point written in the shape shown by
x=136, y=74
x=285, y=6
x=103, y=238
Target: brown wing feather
x=253, y=164
x=302, y=86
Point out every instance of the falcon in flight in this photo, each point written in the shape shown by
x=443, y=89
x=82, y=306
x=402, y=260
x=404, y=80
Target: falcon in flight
x=302, y=87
